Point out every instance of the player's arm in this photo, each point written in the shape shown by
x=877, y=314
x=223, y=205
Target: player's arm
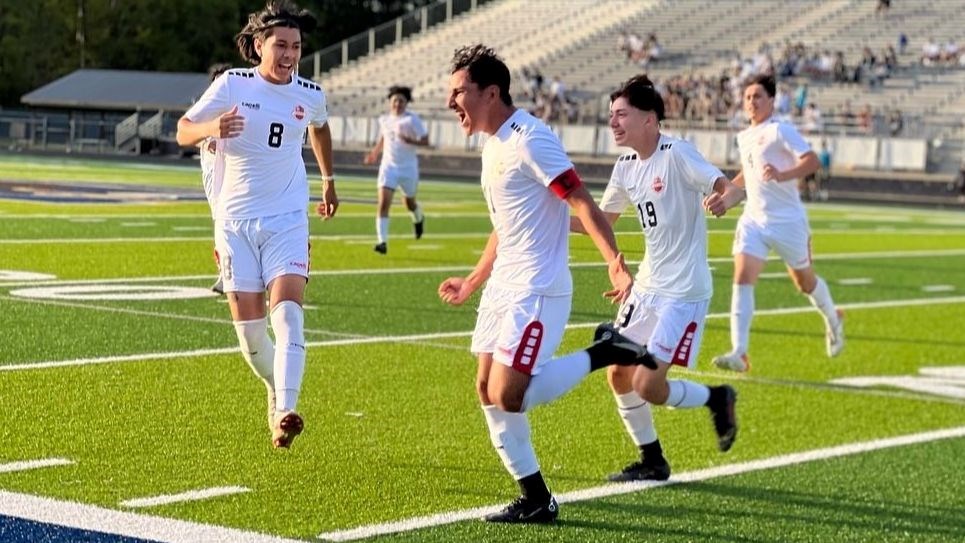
x=806, y=164
x=422, y=142
x=320, y=137
x=725, y=195
x=597, y=225
x=375, y=152
x=227, y=125
x=456, y=290
x=738, y=179
x=576, y=225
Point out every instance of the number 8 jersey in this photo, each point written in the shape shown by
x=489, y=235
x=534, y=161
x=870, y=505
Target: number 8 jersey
x=264, y=173
x=666, y=191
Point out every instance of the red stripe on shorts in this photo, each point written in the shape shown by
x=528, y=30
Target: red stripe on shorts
x=528, y=349
x=681, y=356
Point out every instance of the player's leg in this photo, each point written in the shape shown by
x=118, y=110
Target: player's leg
x=285, y=270
x=793, y=243
x=636, y=323
x=508, y=430
x=676, y=341
x=245, y=291
x=409, y=187
x=387, y=183
x=750, y=256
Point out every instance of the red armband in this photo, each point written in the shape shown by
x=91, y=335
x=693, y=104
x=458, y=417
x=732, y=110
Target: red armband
x=565, y=183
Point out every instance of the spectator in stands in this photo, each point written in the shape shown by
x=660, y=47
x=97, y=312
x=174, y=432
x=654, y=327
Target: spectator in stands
x=824, y=173
x=773, y=156
x=865, y=119
x=902, y=43
x=262, y=228
x=800, y=98
x=895, y=122
x=882, y=8
x=839, y=70
x=557, y=93
x=400, y=132
x=782, y=102
x=931, y=52
x=812, y=121
x=950, y=52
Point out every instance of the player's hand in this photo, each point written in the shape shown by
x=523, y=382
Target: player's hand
x=369, y=159
x=771, y=173
x=620, y=278
x=714, y=203
x=455, y=290
x=329, y=204
x=229, y=124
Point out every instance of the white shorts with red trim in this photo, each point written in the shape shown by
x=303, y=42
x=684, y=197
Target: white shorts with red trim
x=253, y=252
x=671, y=329
x=522, y=330
x=790, y=240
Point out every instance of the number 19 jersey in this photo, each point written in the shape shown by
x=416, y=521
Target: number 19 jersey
x=666, y=191
x=264, y=173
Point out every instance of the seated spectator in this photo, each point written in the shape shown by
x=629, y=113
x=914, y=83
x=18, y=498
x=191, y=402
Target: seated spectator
x=950, y=52
x=866, y=119
x=931, y=52
x=895, y=122
x=839, y=71
x=902, y=43
x=882, y=7
x=812, y=123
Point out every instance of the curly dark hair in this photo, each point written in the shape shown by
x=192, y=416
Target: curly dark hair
x=641, y=94
x=485, y=68
x=217, y=69
x=277, y=13
x=406, y=92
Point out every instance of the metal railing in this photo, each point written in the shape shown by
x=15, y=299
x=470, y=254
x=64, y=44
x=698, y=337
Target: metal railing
x=366, y=43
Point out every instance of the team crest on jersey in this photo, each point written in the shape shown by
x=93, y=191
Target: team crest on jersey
x=299, y=112
x=657, y=184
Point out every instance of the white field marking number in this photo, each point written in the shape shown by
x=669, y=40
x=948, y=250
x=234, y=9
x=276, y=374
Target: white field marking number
x=948, y=381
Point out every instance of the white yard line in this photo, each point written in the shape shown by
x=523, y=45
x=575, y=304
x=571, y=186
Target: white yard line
x=100, y=519
x=25, y=465
x=604, y=491
x=188, y=496
x=938, y=288
x=414, y=338
x=461, y=268
x=852, y=281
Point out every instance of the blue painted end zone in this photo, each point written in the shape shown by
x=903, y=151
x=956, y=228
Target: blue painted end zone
x=18, y=530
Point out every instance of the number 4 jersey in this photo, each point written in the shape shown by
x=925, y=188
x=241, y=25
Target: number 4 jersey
x=666, y=192
x=264, y=173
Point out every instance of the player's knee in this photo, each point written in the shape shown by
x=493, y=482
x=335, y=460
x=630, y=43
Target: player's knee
x=288, y=323
x=250, y=335
x=620, y=377
x=506, y=399
x=650, y=387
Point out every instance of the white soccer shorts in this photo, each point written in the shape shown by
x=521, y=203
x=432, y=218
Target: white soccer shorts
x=407, y=179
x=255, y=251
x=521, y=329
x=790, y=240
x=671, y=329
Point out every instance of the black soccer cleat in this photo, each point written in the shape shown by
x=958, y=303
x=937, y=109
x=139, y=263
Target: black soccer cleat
x=218, y=286
x=611, y=347
x=721, y=404
x=524, y=511
x=642, y=471
x=381, y=248
x=419, y=227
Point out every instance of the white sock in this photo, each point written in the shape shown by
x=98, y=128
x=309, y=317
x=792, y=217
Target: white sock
x=257, y=349
x=741, y=313
x=288, y=323
x=686, y=394
x=382, y=229
x=556, y=378
x=637, y=417
x=821, y=298
x=417, y=215
x=509, y=433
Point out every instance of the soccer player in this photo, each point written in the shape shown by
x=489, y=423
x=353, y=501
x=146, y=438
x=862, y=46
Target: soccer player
x=530, y=186
x=260, y=116
x=212, y=173
x=400, y=132
x=773, y=157
x=667, y=183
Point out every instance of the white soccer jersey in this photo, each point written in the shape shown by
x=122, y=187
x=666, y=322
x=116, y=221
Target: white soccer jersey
x=779, y=144
x=212, y=171
x=264, y=170
x=666, y=191
x=395, y=152
x=518, y=164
